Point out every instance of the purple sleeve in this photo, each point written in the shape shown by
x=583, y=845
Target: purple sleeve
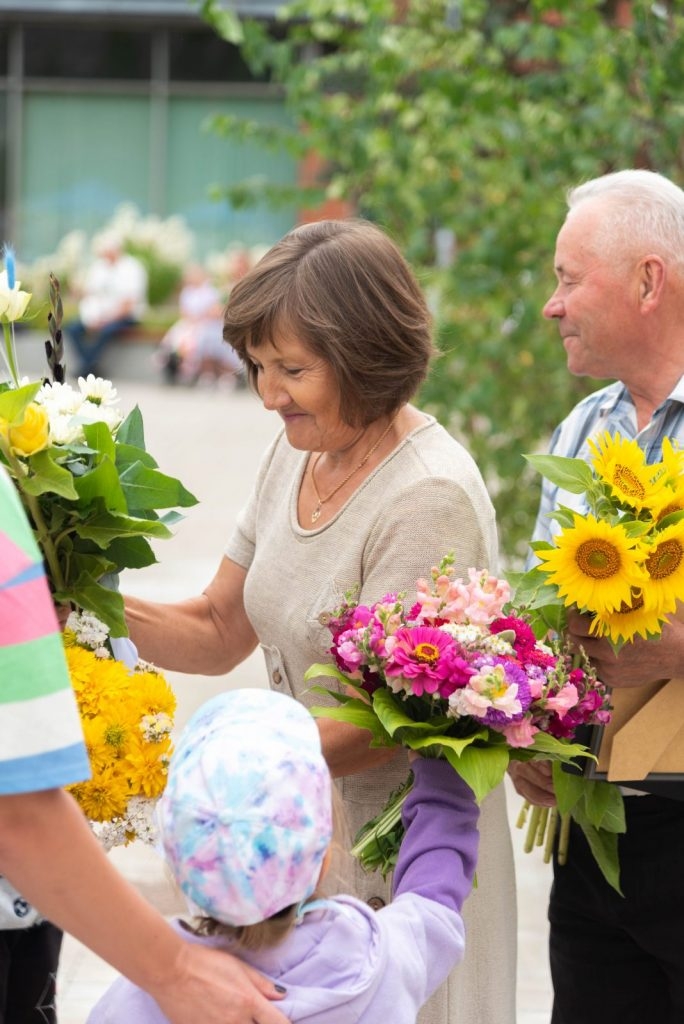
x=439, y=850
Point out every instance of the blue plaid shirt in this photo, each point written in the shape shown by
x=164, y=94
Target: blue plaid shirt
x=610, y=409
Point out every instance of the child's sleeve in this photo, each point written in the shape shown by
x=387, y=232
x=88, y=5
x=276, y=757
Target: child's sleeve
x=439, y=850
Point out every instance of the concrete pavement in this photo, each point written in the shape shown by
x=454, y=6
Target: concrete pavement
x=212, y=440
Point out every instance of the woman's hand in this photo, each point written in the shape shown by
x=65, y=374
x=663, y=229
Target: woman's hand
x=533, y=781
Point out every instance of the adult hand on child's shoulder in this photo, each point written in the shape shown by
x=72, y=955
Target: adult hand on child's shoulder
x=227, y=990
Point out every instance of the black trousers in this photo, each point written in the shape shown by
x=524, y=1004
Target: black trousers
x=28, y=972
x=618, y=960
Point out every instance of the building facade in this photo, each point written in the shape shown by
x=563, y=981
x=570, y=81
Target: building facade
x=107, y=101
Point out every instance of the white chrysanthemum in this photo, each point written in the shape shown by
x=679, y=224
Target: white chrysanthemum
x=64, y=429
x=59, y=399
x=92, y=413
x=97, y=390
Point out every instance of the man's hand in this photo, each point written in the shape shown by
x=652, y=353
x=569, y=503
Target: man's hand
x=226, y=990
x=639, y=661
x=532, y=780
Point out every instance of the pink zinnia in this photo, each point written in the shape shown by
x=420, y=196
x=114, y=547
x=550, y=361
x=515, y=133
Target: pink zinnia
x=421, y=657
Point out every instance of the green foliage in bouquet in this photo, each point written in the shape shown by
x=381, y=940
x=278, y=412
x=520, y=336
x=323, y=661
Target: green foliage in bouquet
x=91, y=490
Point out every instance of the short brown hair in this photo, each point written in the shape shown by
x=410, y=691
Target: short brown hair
x=344, y=288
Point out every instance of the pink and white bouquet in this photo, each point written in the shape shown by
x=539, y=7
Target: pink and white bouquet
x=457, y=673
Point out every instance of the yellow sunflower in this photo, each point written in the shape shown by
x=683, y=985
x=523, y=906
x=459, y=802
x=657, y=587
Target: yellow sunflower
x=665, y=567
x=639, y=617
x=595, y=566
x=622, y=465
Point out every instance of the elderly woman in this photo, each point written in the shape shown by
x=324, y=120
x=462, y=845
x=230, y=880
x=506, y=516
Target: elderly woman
x=359, y=487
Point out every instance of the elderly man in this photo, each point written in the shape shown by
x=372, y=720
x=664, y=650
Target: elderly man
x=619, y=306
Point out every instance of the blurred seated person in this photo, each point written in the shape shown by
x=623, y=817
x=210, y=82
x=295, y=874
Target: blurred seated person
x=113, y=298
x=193, y=349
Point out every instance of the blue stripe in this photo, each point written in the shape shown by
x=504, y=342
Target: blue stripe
x=44, y=771
x=31, y=572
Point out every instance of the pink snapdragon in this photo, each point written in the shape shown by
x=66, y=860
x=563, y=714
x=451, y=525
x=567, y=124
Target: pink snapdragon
x=520, y=733
x=564, y=700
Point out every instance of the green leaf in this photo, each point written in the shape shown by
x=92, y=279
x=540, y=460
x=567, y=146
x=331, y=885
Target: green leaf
x=604, y=847
x=131, y=553
x=48, y=477
x=483, y=768
x=572, y=475
x=358, y=713
x=327, y=670
x=131, y=431
x=104, y=527
x=106, y=604
x=149, y=489
x=101, y=483
x=99, y=437
x=127, y=454
x=394, y=718
x=13, y=403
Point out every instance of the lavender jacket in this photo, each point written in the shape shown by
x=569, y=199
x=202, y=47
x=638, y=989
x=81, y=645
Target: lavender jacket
x=347, y=964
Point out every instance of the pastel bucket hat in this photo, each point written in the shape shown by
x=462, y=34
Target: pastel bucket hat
x=245, y=819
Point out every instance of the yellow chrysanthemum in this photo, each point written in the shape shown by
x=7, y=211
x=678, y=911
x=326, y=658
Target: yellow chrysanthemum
x=622, y=464
x=638, y=618
x=100, y=754
x=665, y=567
x=595, y=566
x=154, y=694
x=147, y=765
x=104, y=797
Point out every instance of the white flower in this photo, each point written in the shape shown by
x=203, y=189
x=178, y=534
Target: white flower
x=64, y=429
x=98, y=390
x=90, y=632
x=13, y=302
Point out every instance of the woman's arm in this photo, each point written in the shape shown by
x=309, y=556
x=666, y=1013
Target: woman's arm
x=209, y=634
x=48, y=852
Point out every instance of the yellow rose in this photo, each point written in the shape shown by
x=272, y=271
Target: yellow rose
x=33, y=434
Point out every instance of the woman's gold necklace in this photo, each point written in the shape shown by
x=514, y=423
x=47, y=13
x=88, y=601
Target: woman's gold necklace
x=315, y=515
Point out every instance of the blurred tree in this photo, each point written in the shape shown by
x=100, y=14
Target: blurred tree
x=462, y=124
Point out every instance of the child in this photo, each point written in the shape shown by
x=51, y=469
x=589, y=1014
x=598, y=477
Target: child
x=246, y=828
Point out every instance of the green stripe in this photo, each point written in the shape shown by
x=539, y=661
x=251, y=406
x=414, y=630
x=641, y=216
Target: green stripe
x=33, y=669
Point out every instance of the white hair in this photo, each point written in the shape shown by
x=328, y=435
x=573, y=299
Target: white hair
x=642, y=211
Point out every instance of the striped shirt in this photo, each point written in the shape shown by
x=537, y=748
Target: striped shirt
x=41, y=741
x=610, y=409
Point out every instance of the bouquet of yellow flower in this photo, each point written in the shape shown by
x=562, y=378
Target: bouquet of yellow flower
x=127, y=718
x=92, y=493
x=619, y=560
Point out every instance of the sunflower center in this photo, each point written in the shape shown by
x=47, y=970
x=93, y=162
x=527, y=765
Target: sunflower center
x=598, y=558
x=665, y=560
x=628, y=482
x=669, y=509
x=428, y=653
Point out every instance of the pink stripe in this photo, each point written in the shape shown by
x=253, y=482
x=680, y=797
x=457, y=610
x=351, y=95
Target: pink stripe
x=12, y=559
x=26, y=613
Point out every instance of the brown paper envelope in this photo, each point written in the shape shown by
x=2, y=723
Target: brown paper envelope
x=646, y=732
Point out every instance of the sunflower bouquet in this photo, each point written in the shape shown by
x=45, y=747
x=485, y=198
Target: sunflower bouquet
x=620, y=560
x=457, y=673
x=127, y=718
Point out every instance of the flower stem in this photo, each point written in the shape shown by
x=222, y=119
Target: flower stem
x=550, y=834
x=42, y=533
x=564, y=838
x=9, y=353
